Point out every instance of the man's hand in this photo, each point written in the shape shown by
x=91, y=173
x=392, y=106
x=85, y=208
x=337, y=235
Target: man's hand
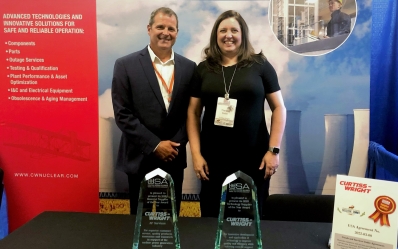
x=167, y=150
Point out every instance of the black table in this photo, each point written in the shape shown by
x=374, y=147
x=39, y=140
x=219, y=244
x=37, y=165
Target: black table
x=72, y=230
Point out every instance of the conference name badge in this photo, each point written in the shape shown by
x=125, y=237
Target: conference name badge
x=384, y=206
x=225, y=112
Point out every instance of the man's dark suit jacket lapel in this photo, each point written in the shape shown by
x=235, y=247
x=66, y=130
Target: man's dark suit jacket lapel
x=151, y=76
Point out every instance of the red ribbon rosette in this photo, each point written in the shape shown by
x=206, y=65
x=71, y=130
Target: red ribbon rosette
x=384, y=206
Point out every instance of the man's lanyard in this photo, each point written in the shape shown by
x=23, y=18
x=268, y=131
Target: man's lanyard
x=170, y=87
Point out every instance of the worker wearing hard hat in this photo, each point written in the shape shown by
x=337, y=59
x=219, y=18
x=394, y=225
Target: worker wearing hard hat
x=340, y=23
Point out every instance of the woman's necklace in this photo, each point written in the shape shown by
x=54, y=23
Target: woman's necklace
x=226, y=96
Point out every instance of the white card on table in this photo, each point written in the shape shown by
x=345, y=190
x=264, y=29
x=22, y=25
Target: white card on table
x=365, y=214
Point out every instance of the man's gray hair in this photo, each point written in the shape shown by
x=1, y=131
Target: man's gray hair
x=164, y=10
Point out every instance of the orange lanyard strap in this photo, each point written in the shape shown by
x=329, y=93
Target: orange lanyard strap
x=170, y=87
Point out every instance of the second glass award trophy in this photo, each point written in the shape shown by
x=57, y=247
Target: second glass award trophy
x=156, y=221
x=238, y=221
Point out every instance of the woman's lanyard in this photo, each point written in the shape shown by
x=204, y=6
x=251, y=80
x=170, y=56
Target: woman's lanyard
x=169, y=88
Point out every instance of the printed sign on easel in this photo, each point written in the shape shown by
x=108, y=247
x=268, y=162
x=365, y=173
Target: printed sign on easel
x=365, y=214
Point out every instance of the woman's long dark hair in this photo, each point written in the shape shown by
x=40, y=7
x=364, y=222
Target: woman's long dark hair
x=246, y=54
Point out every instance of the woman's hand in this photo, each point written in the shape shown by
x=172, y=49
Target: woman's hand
x=200, y=167
x=271, y=163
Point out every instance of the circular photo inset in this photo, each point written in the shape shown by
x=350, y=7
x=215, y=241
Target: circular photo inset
x=312, y=27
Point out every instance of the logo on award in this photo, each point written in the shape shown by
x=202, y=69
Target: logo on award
x=239, y=187
x=384, y=205
x=240, y=222
x=158, y=215
x=157, y=183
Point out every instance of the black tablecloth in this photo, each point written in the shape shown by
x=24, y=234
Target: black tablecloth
x=71, y=230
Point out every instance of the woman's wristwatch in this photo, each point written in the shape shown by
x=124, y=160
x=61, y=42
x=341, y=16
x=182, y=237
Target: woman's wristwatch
x=274, y=150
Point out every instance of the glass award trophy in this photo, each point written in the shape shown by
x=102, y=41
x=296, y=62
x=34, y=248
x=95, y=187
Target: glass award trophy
x=156, y=220
x=238, y=221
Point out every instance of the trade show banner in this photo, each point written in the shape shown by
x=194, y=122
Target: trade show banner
x=324, y=79
x=49, y=113
x=58, y=137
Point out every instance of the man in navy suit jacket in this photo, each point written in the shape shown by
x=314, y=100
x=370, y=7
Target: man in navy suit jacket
x=150, y=95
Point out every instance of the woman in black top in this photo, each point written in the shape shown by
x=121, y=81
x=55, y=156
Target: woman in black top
x=233, y=85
